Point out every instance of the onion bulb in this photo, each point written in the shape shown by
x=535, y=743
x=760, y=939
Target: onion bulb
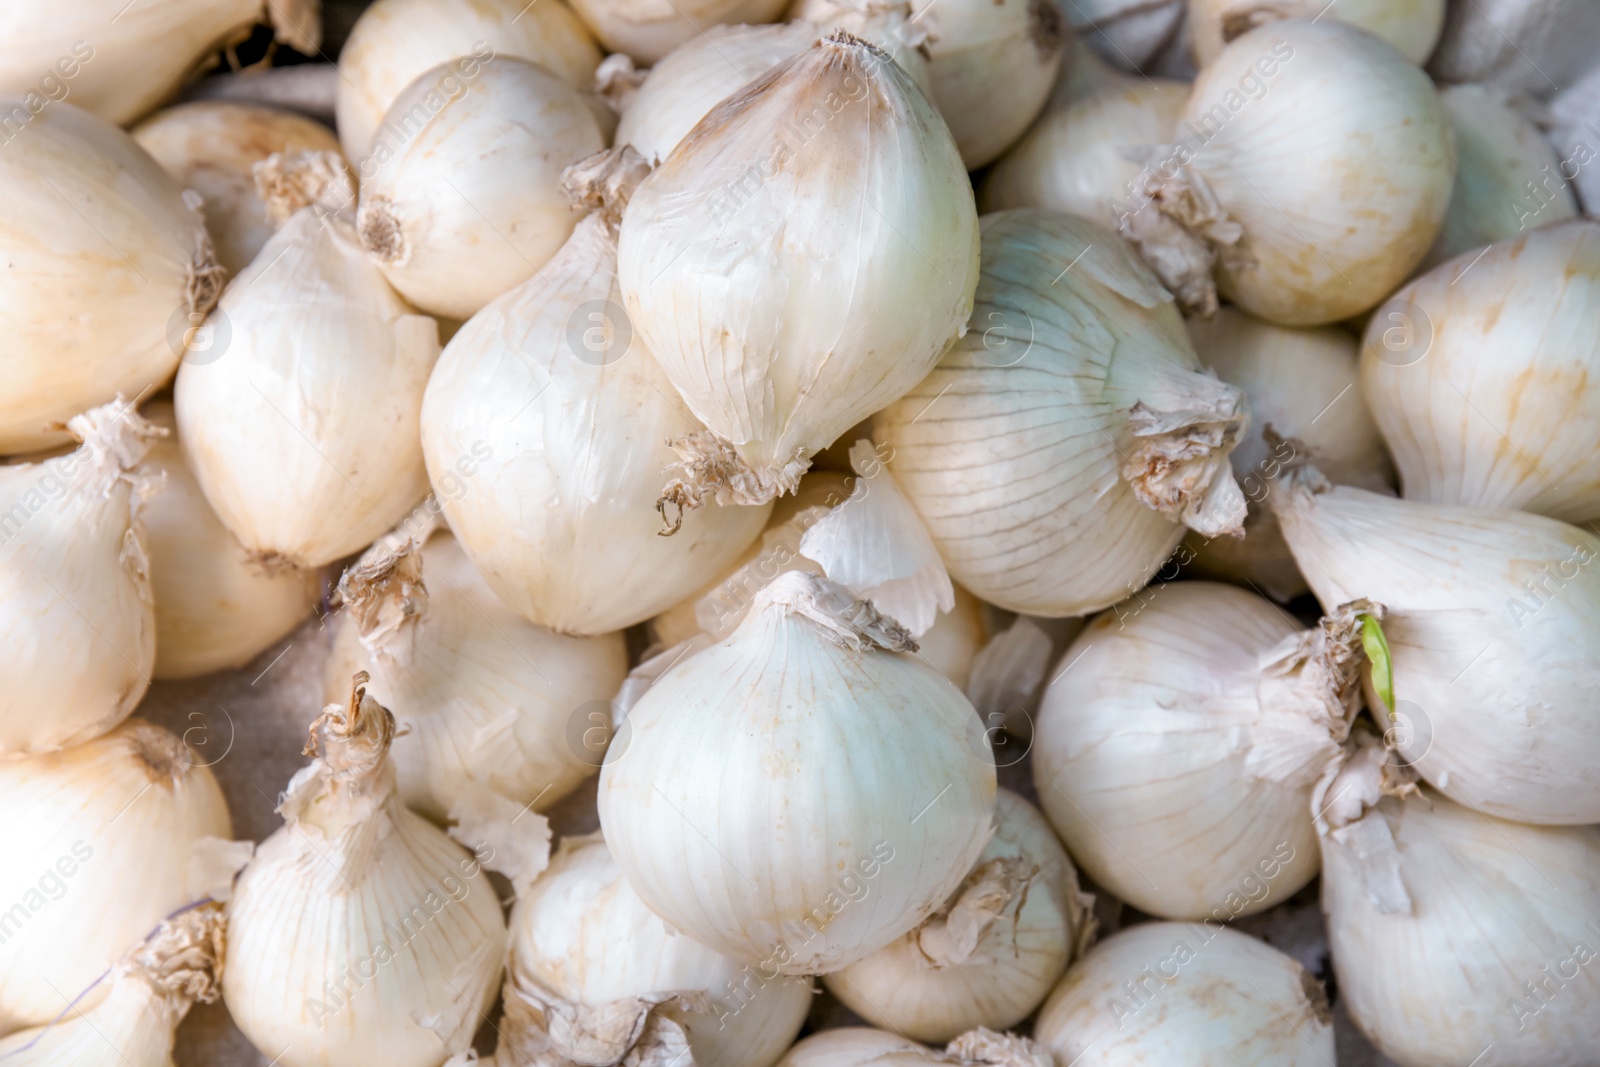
x=1183, y=995
x=1304, y=383
x=150, y=991
x=1484, y=376
x=1075, y=158
x=101, y=842
x=649, y=31
x=833, y=156
x=1492, y=621
x=302, y=429
x=394, y=41
x=596, y=977
x=107, y=266
x=858, y=1046
x=1178, y=746
x=1059, y=448
x=1313, y=169
x=559, y=522
x=992, y=952
x=1503, y=156
x=487, y=698
x=1456, y=935
x=211, y=146
x=471, y=205
x=1411, y=26
x=118, y=60
x=360, y=933
x=75, y=585
x=813, y=860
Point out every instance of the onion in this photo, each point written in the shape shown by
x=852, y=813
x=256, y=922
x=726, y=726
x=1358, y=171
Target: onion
x=649, y=29
x=1411, y=26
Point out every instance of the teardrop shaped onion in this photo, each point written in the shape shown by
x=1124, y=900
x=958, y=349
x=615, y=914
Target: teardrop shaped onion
x=583, y=942
x=1501, y=152
x=151, y=990
x=472, y=205
x=1492, y=621
x=210, y=146
x=119, y=60
x=1183, y=995
x=1312, y=174
x=106, y=267
x=488, y=698
x=995, y=949
x=1195, y=707
x=302, y=428
x=80, y=628
x=215, y=609
x=1059, y=446
x=650, y=30
x=1411, y=26
x=394, y=41
x=1304, y=383
x=1073, y=159
x=750, y=808
x=559, y=522
x=102, y=842
x=860, y=1046
x=1484, y=376
x=1496, y=948
x=831, y=157
x=360, y=933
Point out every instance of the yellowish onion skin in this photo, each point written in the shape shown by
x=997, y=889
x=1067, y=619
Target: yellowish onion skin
x=210, y=145
x=1412, y=26
x=648, y=30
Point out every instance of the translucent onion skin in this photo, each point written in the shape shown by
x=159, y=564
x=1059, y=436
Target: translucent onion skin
x=1411, y=26
x=1186, y=995
x=215, y=609
x=1305, y=384
x=1013, y=449
x=1072, y=159
x=115, y=60
x=210, y=145
x=113, y=823
x=1015, y=963
x=1498, y=947
x=84, y=322
x=583, y=934
x=396, y=40
x=1484, y=376
x=648, y=30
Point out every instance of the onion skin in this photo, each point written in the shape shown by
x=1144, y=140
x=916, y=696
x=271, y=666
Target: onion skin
x=1411, y=26
x=648, y=30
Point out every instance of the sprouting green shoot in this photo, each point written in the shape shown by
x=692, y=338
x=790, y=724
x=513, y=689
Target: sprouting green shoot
x=1377, y=649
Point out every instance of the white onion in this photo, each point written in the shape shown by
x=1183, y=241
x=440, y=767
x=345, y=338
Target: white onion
x=1412, y=26
x=647, y=30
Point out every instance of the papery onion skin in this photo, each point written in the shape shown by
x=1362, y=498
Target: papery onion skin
x=648, y=30
x=745, y=741
x=1015, y=963
x=1484, y=376
x=103, y=257
x=1014, y=449
x=114, y=823
x=215, y=609
x=766, y=327
x=1349, y=110
x=210, y=146
x=471, y=205
x=1187, y=995
x=486, y=696
x=1305, y=384
x=1072, y=159
x=583, y=934
x=1411, y=26
x=1491, y=624
x=112, y=59
x=1502, y=914
x=395, y=40
x=581, y=501
x=1146, y=753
